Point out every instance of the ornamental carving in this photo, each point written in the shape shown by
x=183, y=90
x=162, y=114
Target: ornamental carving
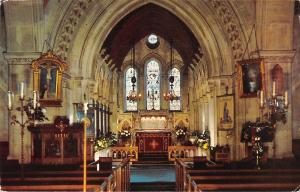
x=70, y=22
x=231, y=26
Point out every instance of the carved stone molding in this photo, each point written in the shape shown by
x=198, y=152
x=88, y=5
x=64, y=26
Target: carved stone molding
x=69, y=24
x=277, y=56
x=231, y=25
x=19, y=58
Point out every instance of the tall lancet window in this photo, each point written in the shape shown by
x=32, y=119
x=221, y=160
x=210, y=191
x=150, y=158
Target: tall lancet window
x=130, y=105
x=153, y=85
x=175, y=105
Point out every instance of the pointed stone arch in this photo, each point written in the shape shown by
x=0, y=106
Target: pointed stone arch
x=81, y=43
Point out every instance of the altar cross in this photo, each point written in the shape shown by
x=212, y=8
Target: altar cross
x=153, y=144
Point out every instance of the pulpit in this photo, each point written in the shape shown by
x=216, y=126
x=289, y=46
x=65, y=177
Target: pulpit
x=153, y=141
x=57, y=143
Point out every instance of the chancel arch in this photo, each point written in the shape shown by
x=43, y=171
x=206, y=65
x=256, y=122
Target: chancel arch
x=97, y=32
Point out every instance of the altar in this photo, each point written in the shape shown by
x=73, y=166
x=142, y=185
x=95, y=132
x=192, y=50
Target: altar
x=153, y=131
x=152, y=141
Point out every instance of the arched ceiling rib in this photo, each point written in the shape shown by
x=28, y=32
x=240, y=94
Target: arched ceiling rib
x=148, y=19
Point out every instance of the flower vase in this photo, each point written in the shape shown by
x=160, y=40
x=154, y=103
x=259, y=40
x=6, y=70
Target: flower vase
x=102, y=153
x=127, y=144
x=199, y=151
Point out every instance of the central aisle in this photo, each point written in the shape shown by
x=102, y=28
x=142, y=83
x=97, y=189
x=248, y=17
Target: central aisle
x=152, y=177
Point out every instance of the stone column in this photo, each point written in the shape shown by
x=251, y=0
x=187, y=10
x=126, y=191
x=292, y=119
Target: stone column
x=108, y=119
x=101, y=119
x=97, y=116
x=104, y=119
x=274, y=26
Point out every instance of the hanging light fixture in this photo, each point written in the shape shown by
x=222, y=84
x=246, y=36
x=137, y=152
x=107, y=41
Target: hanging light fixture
x=133, y=96
x=170, y=95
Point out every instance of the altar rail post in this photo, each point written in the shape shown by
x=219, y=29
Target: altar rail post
x=181, y=172
x=122, y=176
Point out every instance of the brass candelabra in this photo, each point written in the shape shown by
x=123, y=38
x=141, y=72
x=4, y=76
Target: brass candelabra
x=33, y=111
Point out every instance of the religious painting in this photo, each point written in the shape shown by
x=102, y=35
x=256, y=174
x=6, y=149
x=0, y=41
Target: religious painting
x=225, y=106
x=47, y=79
x=250, y=77
x=90, y=118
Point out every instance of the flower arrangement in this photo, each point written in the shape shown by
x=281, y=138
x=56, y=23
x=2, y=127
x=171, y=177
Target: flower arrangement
x=105, y=141
x=202, y=140
x=37, y=113
x=250, y=130
x=180, y=132
x=125, y=134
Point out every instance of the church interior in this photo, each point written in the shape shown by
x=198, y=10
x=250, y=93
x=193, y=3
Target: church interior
x=150, y=95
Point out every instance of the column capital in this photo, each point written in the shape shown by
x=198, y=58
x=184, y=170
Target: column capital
x=277, y=56
x=21, y=58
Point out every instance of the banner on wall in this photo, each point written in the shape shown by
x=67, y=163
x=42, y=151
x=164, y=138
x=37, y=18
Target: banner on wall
x=90, y=131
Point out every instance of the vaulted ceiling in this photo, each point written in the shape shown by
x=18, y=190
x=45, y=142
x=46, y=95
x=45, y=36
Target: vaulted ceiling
x=148, y=19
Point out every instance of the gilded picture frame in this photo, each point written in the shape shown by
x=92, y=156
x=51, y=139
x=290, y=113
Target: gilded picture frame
x=250, y=77
x=47, y=79
x=225, y=111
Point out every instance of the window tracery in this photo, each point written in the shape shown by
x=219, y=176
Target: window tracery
x=152, y=85
x=129, y=104
x=175, y=105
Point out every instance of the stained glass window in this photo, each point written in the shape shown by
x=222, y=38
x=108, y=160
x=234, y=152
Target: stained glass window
x=130, y=105
x=175, y=105
x=153, y=85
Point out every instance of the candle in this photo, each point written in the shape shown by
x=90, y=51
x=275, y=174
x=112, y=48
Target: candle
x=261, y=98
x=9, y=95
x=85, y=107
x=274, y=88
x=34, y=99
x=22, y=90
x=286, y=98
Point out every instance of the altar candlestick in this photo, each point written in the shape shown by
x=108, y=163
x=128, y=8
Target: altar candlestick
x=22, y=90
x=274, y=89
x=261, y=98
x=286, y=98
x=85, y=107
x=34, y=99
x=9, y=95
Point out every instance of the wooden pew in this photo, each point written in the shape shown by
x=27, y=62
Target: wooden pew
x=235, y=179
x=245, y=187
x=244, y=180
x=68, y=180
x=51, y=188
x=117, y=179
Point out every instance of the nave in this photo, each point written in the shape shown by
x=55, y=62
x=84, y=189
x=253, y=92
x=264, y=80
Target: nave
x=186, y=95
x=181, y=175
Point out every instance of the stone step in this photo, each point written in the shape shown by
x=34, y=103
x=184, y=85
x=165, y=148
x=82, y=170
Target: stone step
x=161, y=186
